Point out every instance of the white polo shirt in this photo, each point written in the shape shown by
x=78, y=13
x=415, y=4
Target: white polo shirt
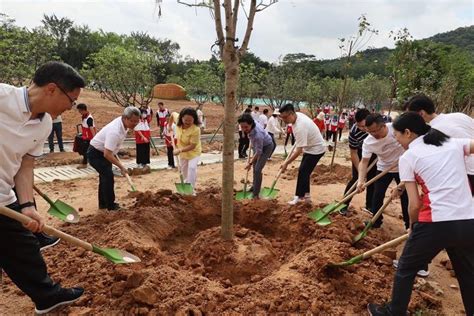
x=387, y=149
x=263, y=120
x=19, y=136
x=110, y=137
x=441, y=174
x=307, y=135
x=456, y=125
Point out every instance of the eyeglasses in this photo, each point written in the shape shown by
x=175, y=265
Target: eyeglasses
x=73, y=102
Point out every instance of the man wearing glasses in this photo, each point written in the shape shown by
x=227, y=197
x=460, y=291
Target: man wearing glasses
x=381, y=142
x=25, y=122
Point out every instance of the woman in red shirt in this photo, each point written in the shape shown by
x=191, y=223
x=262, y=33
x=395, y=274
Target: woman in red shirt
x=319, y=121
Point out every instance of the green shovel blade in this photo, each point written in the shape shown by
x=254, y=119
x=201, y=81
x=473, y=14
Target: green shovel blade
x=243, y=195
x=269, y=193
x=320, y=214
x=349, y=262
x=64, y=212
x=184, y=188
x=115, y=255
x=362, y=234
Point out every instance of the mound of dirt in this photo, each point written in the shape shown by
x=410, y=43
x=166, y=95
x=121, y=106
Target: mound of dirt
x=276, y=262
x=322, y=174
x=139, y=171
x=58, y=159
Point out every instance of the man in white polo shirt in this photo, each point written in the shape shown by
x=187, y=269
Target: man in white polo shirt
x=25, y=123
x=103, y=150
x=455, y=125
x=309, y=142
x=381, y=142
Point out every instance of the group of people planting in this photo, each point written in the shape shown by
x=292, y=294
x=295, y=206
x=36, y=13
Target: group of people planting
x=429, y=155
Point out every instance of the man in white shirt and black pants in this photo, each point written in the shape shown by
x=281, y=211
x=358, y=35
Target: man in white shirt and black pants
x=25, y=123
x=455, y=125
x=309, y=142
x=102, y=150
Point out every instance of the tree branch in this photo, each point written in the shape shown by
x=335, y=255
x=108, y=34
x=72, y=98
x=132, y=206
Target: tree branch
x=218, y=23
x=235, y=14
x=248, y=32
x=200, y=4
x=262, y=6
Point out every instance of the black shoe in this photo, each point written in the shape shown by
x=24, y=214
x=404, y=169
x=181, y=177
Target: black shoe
x=62, y=150
x=46, y=241
x=114, y=207
x=65, y=297
x=102, y=207
x=51, y=151
x=343, y=211
x=378, y=310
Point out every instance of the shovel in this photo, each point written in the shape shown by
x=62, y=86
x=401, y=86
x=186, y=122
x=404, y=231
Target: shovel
x=182, y=187
x=112, y=254
x=355, y=183
x=321, y=215
x=271, y=192
x=59, y=209
x=363, y=233
x=368, y=254
x=152, y=142
x=129, y=180
x=245, y=195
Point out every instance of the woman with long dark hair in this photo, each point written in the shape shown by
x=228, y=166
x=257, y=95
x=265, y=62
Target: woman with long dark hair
x=441, y=217
x=189, y=143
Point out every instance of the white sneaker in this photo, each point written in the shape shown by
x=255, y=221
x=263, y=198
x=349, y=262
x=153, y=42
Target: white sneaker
x=296, y=200
x=420, y=273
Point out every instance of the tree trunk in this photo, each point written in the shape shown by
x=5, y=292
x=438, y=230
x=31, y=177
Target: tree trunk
x=231, y=64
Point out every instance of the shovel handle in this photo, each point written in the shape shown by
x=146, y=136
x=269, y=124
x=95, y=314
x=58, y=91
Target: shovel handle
x=355, y=183
x=128, y=177
x=281, y=171
x=390, y=244
x=177, y=159
x=384, y=206
x=154, y=146
x=44, y=196
x=47, y=229
x=247, y=173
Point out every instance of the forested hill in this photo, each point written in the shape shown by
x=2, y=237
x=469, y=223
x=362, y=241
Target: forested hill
x=374, y=59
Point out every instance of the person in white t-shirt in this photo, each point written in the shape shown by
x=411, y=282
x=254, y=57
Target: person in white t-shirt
x=381, y=142
x=273, y=127
x=455, y=125
x=441, y=218
x=263, y=119
x=309, y=142
x=103, y=150
x=25, y=122
x=256, y=114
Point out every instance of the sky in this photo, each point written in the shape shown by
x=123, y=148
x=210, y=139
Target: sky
x=289, y=26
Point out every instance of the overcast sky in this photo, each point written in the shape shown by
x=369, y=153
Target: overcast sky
x=290, y=26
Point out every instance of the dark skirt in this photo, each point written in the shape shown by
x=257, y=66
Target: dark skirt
x=143, y=153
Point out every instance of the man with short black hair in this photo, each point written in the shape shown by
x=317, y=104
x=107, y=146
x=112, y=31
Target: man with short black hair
x=309, y=142
x=263, y=118
x=88, y=131
x=256, y=114
x=455, y=125
x=55, y=89
x=161, y=115
x=103, y=150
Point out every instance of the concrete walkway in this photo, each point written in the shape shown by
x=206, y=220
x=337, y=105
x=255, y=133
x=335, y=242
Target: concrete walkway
x=69, y=172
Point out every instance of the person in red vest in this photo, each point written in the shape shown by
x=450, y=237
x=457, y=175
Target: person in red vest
x=341, y=124
x=161, y=115
x=319, y=121
x=326, y=109
x=88, y=131
x=327, y=124
x=333, y=127
x=142, y=139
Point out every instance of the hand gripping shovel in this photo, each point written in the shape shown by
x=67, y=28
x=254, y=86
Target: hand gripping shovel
x=129, y=180
x=363, y=233
x=59, y=209
x=321, y=216
x=182, y=187
x=245, y=195
x=369, y=253
x=352, y=188
x=112, y=254
x=270, y=192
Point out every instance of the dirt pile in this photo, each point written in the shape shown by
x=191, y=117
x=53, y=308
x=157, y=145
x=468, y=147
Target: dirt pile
x=322, y=174
x=139, y=171
x=275, y=263
x=58, y=159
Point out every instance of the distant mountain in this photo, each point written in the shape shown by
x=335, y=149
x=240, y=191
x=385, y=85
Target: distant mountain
x=462, y=37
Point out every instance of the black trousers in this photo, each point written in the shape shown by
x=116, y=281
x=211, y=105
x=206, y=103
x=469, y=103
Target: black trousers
x=58, y=130
x=369, y=192
x=274, y=143
x=380, y=188
x=22, y=261
x=471, y=182
x=169, y=152
x=425, y=242
x=288, y=135
x=339, y=131
x=143, y=153
x=244, y=143
x=106, y=177
x=85, y=147
x=308, y=163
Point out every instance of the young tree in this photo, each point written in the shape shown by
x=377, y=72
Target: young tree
x=199, y=81
x=226, y=13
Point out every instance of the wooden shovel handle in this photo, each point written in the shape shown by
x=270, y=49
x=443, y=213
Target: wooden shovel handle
x=355, y=183
x=392, y=243
x=248, y=170
x=280, y=172
x=127, y=175
x=384, y=206
x=47, y=229
x=44, y=196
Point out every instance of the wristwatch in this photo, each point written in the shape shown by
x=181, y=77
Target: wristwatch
x=26, y=204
